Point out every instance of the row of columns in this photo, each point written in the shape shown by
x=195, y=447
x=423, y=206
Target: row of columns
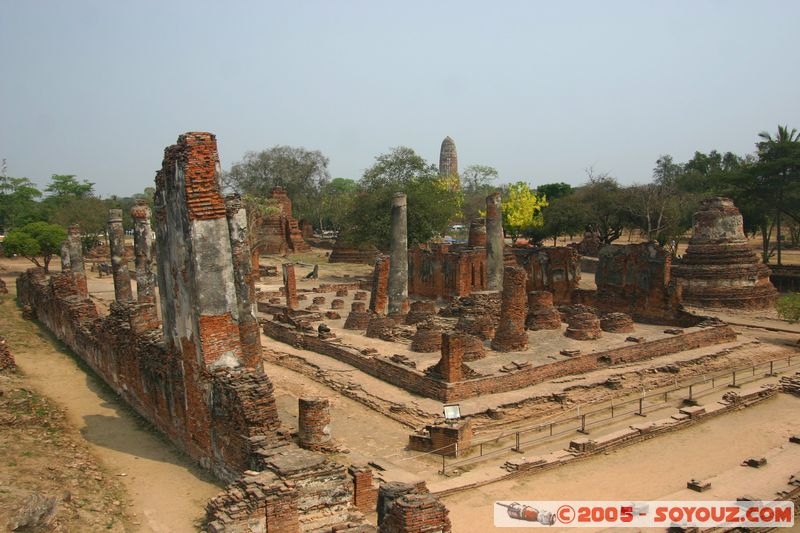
x=143, y=250
x=398, y=259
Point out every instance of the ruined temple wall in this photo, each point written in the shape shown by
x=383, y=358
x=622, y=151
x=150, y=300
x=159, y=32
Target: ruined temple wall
x=442, y=271
x=419, y=383
x=635, y=279
x=551, y=268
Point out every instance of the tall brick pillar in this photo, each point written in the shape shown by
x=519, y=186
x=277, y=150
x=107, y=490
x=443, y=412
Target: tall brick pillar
x=119, y=265
x=398, y=265
x=381, y=276
x=494, y=242
x=452, y=356
x=511, y=335
x=143, y=251
x=65, y=264
x=249, y=332
x=314, y=416
x=76, y=259
x=290, y=285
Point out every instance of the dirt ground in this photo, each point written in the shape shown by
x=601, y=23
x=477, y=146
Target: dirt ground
x=161, y=490
x=659, y=468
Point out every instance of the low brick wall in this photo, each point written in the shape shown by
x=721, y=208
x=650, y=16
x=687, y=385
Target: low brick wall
x=419, y=383
x=152, y=380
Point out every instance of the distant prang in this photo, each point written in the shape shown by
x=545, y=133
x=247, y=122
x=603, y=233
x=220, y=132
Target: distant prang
x=448, y=158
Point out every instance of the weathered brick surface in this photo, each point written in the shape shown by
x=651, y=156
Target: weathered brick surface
x=391, y=491
x=477, y=233
x=315, y=423
x=583, y=327
x=473, y=348
x=380, y=327
x=119, y=263
x=143, y=251
x=76, y=265
x=365, y=493
x=420, y=311
x=448, y=158
x=719, y=269
x=443, y=270
x=452, y=357
x=616, y=323
x=418, y=382
x=542, y=314
x=427, y=339
x=511, y=334
x=337, y=303
x=416, y=513
x=290, y=286
x=635, y=279
x=379, y=298
x=3, y=288
x=280, y=233
x=550, y=268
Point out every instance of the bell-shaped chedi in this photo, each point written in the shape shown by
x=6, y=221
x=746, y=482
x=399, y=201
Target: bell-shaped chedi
x=719, y=269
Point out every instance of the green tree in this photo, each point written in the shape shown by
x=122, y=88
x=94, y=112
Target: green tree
x=432, y=203
x=477, y=182
x=566, y=215
x=34, y=240
x=551, y=191
x=18, y=204
x=337, y=200
x=64, y=186
x=522, y=210
x=604, y=199
x=777, y=175
x=303, y=173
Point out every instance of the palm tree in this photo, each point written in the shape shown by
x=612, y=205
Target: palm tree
x=778, y=166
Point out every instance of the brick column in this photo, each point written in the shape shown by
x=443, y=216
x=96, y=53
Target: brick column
x=494, y=242
x=477, y=233
x=380, y=281
x=76, y=260
x=290, y=284
x=65, y=264
x=398, y=266
x=511, y=335
x=119, y=265
x=365, y=494
x=314, y=416
x=249, y=332
x=143, y=250
x=452, y=357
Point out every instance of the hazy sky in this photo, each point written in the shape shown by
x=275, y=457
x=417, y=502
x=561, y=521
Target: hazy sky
x=538, y=90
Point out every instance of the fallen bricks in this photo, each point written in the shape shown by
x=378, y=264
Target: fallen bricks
x=6, y=359
x=427, y=339
x=616, y=323
x=791, y=384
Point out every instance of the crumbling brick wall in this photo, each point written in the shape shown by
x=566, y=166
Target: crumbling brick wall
x=443, y=270
x=635, y=279
x=550, y=268
x=280, y=233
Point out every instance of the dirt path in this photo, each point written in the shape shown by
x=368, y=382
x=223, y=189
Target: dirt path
x=167, y=491
x=658, y=468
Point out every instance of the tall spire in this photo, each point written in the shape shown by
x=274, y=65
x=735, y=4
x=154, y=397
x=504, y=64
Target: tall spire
x=448, y=158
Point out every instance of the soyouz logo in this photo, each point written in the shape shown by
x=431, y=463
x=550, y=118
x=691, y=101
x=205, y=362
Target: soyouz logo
x=663, y=514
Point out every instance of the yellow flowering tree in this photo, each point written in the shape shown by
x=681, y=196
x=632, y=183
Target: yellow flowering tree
x=522, y=209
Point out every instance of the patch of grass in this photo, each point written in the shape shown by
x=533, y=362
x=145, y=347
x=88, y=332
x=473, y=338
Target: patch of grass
x=788, y=306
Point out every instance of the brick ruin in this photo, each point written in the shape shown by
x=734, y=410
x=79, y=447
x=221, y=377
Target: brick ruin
x=7, y=362
x=511, y=335
x=719, y=269
x=439, y=270
x=635, y=279
x=197, y=375
x=280, y=233
x=348, y=252
x=555, y=269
